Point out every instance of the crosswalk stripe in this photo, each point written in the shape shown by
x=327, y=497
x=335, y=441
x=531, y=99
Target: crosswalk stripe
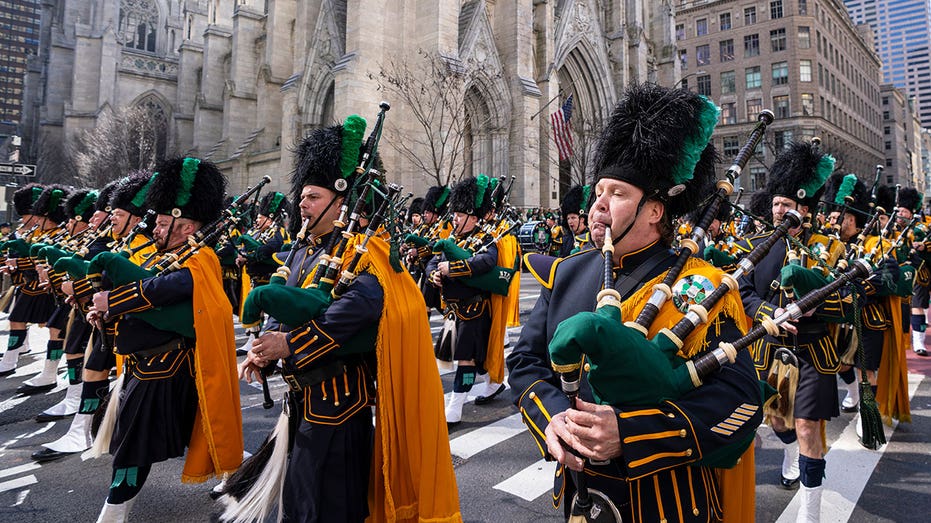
x=471, y=443
x=530, y=483
x=18, y=483
x=19, y=470
x=849, y=467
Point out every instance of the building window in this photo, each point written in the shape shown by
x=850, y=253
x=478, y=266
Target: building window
x=754, y=107
x=887, y=145
x=804, y=70
x=804, y=37
x=885, y=100
x=781, y=138
x=725, y=21
x=727, y=49
x=749, y=15
x=781, y=106
x=803, y=7
x=138, y=24
x=781, y=73
x=680, y=31
x=777, y=38
x=729, y=114
x=753, y=77
x=684, y=59
x=775, y=9
x=151, y=138
x=704, y=85
x=728, y=82
x=808, y=104
x=757, y=177
x=887, y=130
x=889, y=164
x=885, y=115
x=731, y=146
x=703, y=55
x=752, y=45
x=701, y=27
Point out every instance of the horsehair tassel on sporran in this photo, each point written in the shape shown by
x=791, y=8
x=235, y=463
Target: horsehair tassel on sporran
x=590, y=506
x=873, y=436
x=698, y=312
x=258, y=484
x=349, y=275
x=707, y=363
x=688, y=247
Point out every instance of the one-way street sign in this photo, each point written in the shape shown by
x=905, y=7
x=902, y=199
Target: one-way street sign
x=18, y=169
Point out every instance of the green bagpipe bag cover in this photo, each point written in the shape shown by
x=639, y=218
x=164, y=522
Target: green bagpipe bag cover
x=497, y=280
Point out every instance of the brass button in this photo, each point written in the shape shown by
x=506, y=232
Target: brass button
x=670, y=415
x=532, y=395
x=682, y=433
x=688, y=452
x=695, y=511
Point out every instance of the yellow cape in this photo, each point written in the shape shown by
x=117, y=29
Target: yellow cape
x=503, y=310
x=216, y=441
x=413, y=477
x=892, y=378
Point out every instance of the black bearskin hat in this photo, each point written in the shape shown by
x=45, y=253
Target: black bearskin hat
x=910, y=199
x=416, y=207
x=885, y=198
x=799, y=173
x=659, y=139
x=25, y=197
x=469, y=196
x=328, y=157
x=761, y=205
x=128, y=193
x=80, y=204
x=436, y=200
x=723, y=215
x=847, y=190
x=103, y=196
x=576, y=201
x=172, y=188
x=273, y=203
x=51, y=203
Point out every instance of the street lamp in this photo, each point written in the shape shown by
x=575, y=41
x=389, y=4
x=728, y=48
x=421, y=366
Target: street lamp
x=686, y=77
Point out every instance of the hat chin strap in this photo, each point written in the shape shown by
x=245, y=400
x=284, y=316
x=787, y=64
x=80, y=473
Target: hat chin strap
x=630, y=225
x=325, y=209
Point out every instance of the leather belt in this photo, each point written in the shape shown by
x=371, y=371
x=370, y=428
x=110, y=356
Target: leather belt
x=301, y=380
x=174, y=344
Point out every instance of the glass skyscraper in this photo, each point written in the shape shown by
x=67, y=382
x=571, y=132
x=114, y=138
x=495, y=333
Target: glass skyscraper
x=902, y=29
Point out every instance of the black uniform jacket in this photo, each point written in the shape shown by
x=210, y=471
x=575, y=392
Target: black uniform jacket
x=660, y=444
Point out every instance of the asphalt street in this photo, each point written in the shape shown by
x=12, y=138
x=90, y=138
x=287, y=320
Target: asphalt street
x=500, y=473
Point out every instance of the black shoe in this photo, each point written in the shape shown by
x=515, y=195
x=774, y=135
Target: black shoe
x=28, y=390
x=44, y=418
x=481, y=400
x=46, y=455
x=848, y=410
x=921, y=352
x=788, y=484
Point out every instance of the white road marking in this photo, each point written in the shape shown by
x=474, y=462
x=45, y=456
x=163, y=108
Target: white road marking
x=13, y=471
x=849, y=467
x=530, y=483
x=18, y=483
x=20, y=497
x=471, y=443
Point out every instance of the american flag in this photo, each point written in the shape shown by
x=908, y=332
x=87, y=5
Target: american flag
x=562, y=133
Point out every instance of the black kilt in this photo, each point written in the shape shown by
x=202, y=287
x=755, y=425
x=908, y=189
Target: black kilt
x=328, y=471
x=816, y=395
x=59, y=317
x=32, y=308
x=99, y=359
x=157, y=407
x=78, y=335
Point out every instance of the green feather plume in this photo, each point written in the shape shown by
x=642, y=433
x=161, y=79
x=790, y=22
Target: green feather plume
x=275, y=203
x=920, y=205
x=823, y=170
x=55, y=200
x=443, y=197
x=188, y=175
x=353, y=134
x=36, y=192
x=482, y=182
x=846, y=188
x=586, y=196
x=695, y=144
x=139, y=198
x=89, y=199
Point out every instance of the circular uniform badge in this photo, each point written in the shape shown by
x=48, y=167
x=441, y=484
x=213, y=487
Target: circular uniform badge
x=691, y=290
x=340, y=184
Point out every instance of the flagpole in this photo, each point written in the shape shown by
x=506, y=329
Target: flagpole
x=553, y=99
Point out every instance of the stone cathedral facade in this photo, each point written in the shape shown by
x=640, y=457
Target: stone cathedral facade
x=241, y=81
